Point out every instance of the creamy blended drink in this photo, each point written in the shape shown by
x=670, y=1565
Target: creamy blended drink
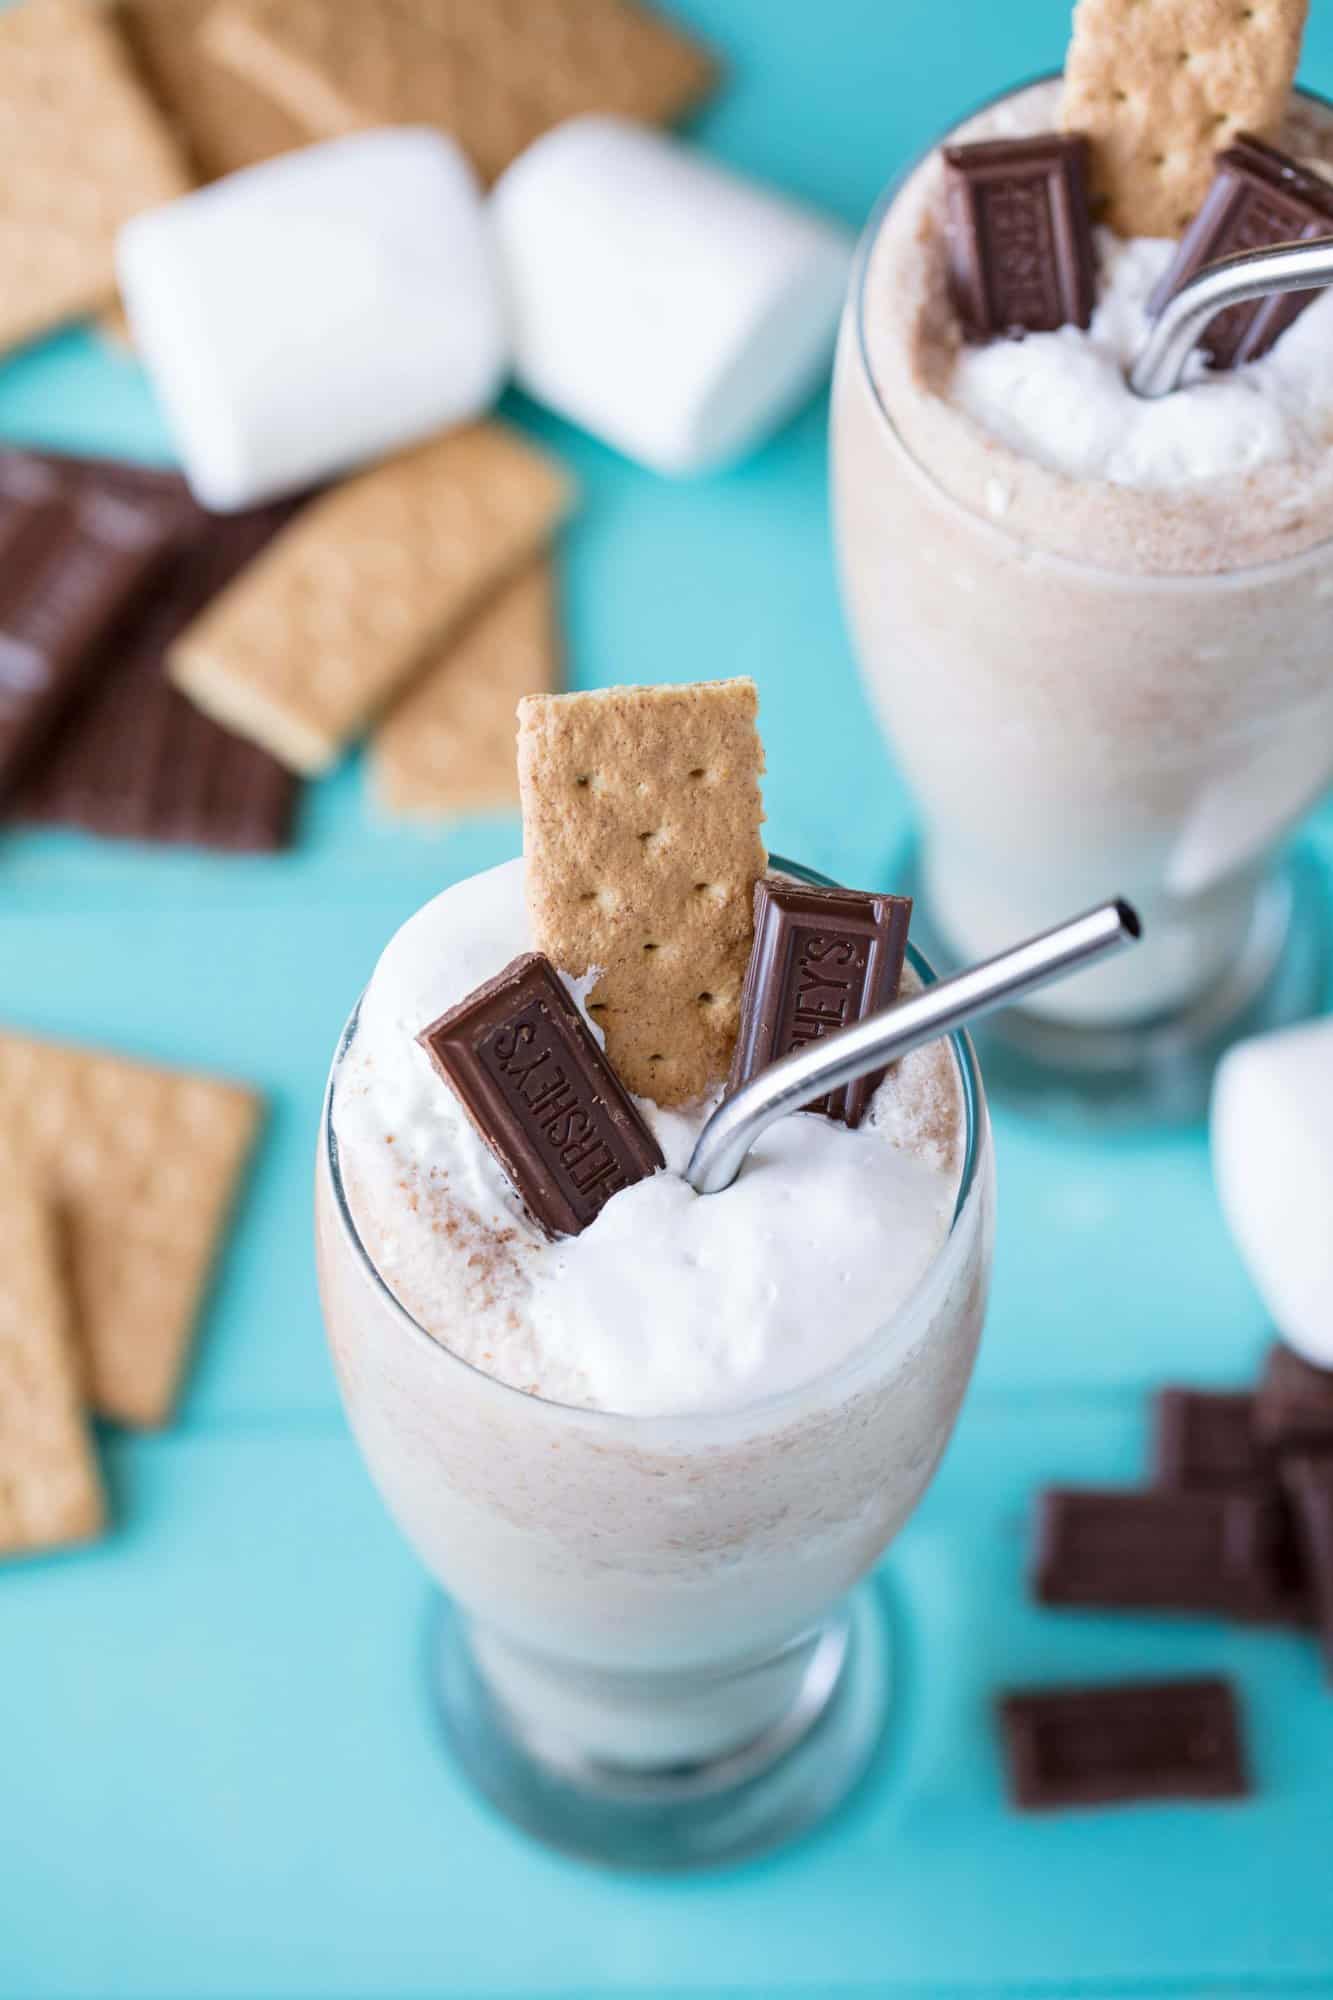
x=1096, y=627
x=648, y=1440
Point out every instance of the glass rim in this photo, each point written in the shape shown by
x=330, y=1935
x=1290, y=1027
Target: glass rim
x=866, y=242
x=974, y=1126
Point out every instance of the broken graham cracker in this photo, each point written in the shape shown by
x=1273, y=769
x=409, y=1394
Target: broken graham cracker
x=447, y=744
x=1160, y=89
x=641, y=818
x=50, y=1485
x=223, y=122
x=315, y=636
x=141, y=1165
x=85, y=149
x=493, y=76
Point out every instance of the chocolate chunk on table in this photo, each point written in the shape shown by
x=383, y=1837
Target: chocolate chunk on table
x=1258, y=197
x=76, y=549
x=542, y=1095
x=135, y=759
x=1224, y=1553
x=821, y=959
x=1206, y=1438
x=1139, y=1740
x=1309, y=1481
x=1019, y=235
x=1293, y=1410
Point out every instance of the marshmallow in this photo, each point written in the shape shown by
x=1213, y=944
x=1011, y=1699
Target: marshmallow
x=676, y=311
x=316, y=310
x=1272, y=1132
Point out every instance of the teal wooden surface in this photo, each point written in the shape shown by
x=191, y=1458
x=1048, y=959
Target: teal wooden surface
x=217, y=1770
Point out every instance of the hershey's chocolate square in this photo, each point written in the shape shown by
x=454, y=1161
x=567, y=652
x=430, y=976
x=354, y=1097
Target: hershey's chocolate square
x=822, y=958
x=542, y=1095
x=1020, y=235
x=1258, y=197
x=1136, y=1740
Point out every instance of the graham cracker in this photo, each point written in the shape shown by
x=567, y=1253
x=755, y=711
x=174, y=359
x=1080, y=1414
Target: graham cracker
x=312, y=639
x=1161, y=86
x=50, y=1485
x=641, y=817
x=447, y=745
x=84, y=150
x=222, y=121
x=492, y=74
x=141, y=1165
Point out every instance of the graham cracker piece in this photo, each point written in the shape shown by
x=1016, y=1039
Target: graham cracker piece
x=141, y=1165
x=1161, y=86
x=50, y=1485
x=222, y=121
x=493, y=73
x=641, y=817
x=312, y=639
x=447, y=745
x=84, y=150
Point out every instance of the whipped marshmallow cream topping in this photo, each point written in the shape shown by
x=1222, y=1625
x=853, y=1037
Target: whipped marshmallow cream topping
x=1064, y=398
x=670, y=1302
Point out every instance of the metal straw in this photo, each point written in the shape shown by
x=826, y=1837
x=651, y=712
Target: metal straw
x=1249, y=274
x=882, y=1038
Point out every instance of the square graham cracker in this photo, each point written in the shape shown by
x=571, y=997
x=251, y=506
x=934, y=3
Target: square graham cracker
x=447, y=745
x=495, y=74
x=141, y=1165
x=641, y=818
x=85, y=149
x=308, y=644
x=223, y=123
x=1161, y=86
x=50, y=1484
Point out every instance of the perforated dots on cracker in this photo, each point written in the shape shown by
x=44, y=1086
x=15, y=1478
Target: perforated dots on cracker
x=641, y=818
x=1161, y=86
x=50, y=1486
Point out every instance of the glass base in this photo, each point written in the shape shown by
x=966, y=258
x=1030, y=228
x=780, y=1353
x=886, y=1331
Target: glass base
x=686, y=1816
x=1160, y=1070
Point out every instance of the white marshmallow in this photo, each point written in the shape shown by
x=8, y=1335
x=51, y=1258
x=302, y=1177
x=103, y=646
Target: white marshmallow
x=678, y=312
x=1272, y=1133
x=316, y=310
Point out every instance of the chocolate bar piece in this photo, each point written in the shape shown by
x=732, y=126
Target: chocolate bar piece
x=1293, y=1410
x=1258, y=197
x=542, y=1095
x=1020, y=235
x=821, y=959
x=1211, y=1552
x=1309, y=1481
x=1093, y=1746
x=74, y=553
x=1207, y=1438
x=136, y=760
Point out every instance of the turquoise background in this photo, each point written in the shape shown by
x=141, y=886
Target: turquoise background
x=218, y=1775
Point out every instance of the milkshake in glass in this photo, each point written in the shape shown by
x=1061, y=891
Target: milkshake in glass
x=650, y=1463
x=1096, y=629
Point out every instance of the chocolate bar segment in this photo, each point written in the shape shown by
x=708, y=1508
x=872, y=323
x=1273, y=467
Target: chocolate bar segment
x=1258, y=197
x=1019, y=235
x=1223, y=1552
x=1309, y=1481
x=1207, y=1439
x=1293, y=1410
x=1140, y=1740
x=822, y=959
x=74, y=553
x=135, y=759
x=542, y=1095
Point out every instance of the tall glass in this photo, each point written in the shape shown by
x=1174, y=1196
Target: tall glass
x=1091, y=690
x=652, y=1649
